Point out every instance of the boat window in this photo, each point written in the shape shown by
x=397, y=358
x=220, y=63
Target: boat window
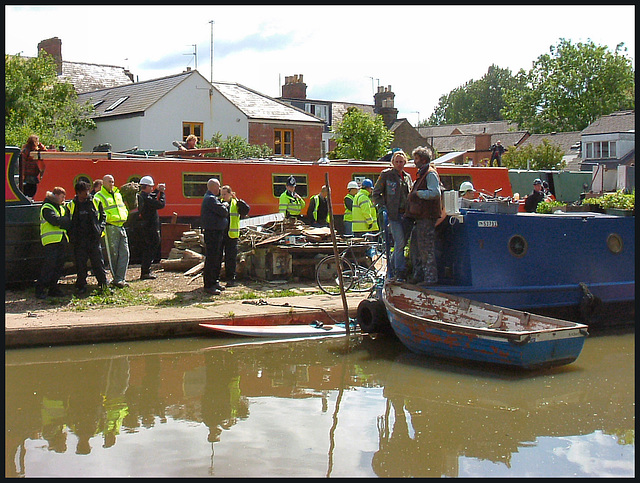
x=359, y=177
x=453, y=181
x=116, y=104
x=518, y=246
x=279, y=184
x=194, y=185
x=614, y=243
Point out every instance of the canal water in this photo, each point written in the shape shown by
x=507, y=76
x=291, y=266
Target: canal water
x=331, y=407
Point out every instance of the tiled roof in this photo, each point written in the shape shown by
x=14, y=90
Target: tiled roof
x=258, y=106
x=489, y=127
x=91, y=77
x=339, y=109
x=621, y=121
x=140, y=95
x=467, y=142
x=566, y=140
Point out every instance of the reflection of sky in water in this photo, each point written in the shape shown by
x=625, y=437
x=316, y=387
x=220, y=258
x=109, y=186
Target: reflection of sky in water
x=595, y=454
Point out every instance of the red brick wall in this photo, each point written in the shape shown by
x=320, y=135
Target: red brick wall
x=307, y=139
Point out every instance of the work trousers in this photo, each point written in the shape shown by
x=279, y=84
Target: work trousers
x=150, y=239
x=348, y=230
x=214, y=242
x=230, y=255
x=423, y=245
x=89, y=249
x=117, y=244
x=52, y=265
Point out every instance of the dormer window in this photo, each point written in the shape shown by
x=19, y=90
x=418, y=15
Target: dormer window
x=116, y=104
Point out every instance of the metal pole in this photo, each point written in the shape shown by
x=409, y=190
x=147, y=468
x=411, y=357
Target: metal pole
x=337, y=255
x=211, y=77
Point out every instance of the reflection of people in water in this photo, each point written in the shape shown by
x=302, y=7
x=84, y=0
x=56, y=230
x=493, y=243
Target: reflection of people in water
x=222, y=404
x=115, y=403
x=394, y=443
x=53, y=424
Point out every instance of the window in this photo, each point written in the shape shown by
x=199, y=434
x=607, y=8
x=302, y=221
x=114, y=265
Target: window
x=195, y=128
x=279, y=184
x=601, y=150
x=116, y=104
x=97, y=103
x=453, y=181
x=319, y=110
x=359, y=177
x=283, y=142
x=194, y=185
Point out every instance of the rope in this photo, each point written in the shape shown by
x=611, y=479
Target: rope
x=287, y=304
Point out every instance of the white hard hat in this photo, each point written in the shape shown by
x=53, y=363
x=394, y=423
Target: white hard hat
x=352, y=185
x=466, y=186
x=148, y=180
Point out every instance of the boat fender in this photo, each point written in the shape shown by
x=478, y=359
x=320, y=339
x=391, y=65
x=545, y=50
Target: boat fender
x=588, y=303
x=372, y=316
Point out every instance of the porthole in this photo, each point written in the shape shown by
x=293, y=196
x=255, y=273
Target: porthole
x=518, y=246
x=614, y=243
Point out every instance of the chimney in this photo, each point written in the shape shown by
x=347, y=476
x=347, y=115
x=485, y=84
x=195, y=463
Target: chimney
x=129, y=74
x=53, y=47
x=294, y=88
x=383, y=105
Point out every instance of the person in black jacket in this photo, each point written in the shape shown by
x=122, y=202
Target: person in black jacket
x=214, y=221
x=87, y=225
x=150, y=200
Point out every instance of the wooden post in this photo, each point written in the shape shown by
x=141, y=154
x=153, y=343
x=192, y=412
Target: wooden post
x=336, y=254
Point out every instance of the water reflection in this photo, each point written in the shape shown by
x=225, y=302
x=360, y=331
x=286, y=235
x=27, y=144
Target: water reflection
x=198, y=407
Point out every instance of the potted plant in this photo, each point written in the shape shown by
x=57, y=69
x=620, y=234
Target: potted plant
x=618, y=203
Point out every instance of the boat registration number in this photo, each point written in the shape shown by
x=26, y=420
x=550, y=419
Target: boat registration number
x=487, y=223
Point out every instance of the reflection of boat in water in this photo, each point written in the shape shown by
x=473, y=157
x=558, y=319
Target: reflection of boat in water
x=436, y=324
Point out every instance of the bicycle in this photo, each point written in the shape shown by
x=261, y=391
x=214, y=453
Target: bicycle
x=355, y=276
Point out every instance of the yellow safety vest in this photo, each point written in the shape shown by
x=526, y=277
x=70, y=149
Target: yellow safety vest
x=364, y=216
x=293, y=206
x=347, y=212
x=113, y=206
x=48, y=232
x=315, y=209
x=234, y=219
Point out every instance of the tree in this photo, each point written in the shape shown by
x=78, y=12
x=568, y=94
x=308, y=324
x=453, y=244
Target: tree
x=237, y=147
x=542, y=156
x=37, y=102
x=475, y=101
x=571, y=87
x=361, y=136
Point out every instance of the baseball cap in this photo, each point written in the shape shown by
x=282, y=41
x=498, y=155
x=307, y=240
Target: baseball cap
x=148, y=180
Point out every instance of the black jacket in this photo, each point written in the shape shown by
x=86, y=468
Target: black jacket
x=87, y=221
x=148, y=206
x=214, y=214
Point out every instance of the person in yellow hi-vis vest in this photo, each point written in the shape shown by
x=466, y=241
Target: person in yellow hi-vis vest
x=291, y=203
x=364, y=215
x=237, y=209
x=318, y=212
x=115, y=234
x=54, y=223
x=347, y=220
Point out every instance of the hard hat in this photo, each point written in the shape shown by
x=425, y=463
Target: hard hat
x=537, y=181
x=367, y=183
x=291, y=181
x=466, y=186
x=352, y=185
x=148, y=180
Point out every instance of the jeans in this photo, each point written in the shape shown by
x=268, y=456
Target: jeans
x=398, y=229
x=117, y=244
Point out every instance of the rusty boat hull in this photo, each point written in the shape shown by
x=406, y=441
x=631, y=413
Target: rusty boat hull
x=441, y=325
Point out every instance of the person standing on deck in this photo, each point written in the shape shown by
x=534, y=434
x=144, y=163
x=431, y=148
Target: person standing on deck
x=150, y=200
x=347, y=220
x=31, y=170
x=424, y=205
x=290, y=202
x=187, y=144
x=536, y=196
x=390, y=195
x=110, y=200
x=54, y=223
x=237, y=208
x=214, y=220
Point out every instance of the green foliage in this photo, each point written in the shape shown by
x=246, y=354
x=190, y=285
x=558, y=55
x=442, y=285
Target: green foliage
x=571, y=87
x=236, y=147
x=475, y=101
x=618, y=200
x=361, y=136
x=542, y=156
x=37, y=102
x=548, y=206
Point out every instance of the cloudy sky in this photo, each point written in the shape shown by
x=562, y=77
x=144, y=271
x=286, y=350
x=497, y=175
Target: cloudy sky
x=343, y=52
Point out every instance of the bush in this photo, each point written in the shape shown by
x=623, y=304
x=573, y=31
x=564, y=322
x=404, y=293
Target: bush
x=548, y=206
x=618, y=200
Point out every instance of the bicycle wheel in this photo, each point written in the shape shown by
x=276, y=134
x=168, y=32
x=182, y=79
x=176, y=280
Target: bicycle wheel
x=327, y=276
x=364, y=279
